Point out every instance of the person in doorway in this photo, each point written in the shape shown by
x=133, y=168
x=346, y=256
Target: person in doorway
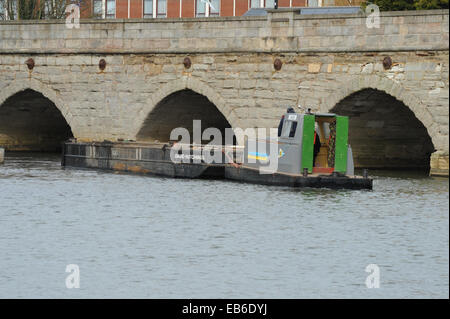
x=317, y=146
x=280, y=126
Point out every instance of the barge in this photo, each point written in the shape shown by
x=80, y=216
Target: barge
x=311, y=150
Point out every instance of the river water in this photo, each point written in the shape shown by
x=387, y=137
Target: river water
x=148, y=237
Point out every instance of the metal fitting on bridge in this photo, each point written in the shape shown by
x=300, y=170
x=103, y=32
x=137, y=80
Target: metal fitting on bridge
x=187, y=63
x=277, y=64
x=30, y=64
x=387, y=63
x=102, y=64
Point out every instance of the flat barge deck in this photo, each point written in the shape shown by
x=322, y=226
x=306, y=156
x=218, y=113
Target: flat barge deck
x=154, y=159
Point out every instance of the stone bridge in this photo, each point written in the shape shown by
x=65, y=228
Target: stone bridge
x=139, y=79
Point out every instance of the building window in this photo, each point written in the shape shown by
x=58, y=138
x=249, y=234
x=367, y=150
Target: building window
x=214, y=8
x=270, y=4
x=102, y=9
x=97, y=9
x=314, y=3
x=255, y=3
x=262, y=3
x=148, y=8
x=161, y=9
x=201, y=9
x=206, y=8
x=110, y=9
x=2, y=11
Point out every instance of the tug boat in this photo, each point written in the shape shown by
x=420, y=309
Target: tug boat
x=312, y=150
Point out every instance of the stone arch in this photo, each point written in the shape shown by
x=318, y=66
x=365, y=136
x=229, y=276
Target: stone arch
x=21, y=85
x=391, y=88
x=32, y=118
x=393, y=129
x=185, y=83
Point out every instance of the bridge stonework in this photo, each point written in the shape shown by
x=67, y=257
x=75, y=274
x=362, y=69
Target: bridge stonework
x=325, y=59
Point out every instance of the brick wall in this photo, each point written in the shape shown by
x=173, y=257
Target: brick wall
x=173, y=8
x=188, y=9
x=226, y=8
x=86, y=11
x=241, y=7
x=136, y=9
x=121, y=9
x=298, y=3
x=283, y=3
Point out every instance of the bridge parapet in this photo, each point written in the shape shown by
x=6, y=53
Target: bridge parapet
x=280, y=31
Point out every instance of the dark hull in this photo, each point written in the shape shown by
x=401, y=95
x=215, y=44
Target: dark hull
x=137, y=158
x=249, y=175
x=157, y=168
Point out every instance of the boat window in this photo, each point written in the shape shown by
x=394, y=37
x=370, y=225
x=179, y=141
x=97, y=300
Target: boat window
x=289, y=128
x=293, y=129
x=286, y=128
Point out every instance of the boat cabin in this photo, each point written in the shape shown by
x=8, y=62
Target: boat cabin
x=317, y=143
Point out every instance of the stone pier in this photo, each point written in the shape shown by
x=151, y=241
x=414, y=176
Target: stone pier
x=439, y=164
x=2, y=155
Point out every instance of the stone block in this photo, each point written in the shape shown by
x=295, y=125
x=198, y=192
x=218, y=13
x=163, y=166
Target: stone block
x=314, y=67
x=439, y=164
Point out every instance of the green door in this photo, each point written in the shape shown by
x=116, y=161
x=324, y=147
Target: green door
x=308, y=142
x=340, y=162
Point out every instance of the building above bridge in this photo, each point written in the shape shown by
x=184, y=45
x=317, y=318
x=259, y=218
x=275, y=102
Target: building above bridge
x=149, y=9
x=123, y=9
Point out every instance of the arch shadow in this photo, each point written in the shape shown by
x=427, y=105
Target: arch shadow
x=184, y=84
x=30, y=120
x=179, y=110
x=384, y=132
x=51, y=94
x=391, y=88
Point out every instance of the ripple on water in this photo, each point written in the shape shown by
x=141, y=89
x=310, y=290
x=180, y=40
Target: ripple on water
x=137, y=236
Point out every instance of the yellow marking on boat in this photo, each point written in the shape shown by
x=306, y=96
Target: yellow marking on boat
x=258, y=156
